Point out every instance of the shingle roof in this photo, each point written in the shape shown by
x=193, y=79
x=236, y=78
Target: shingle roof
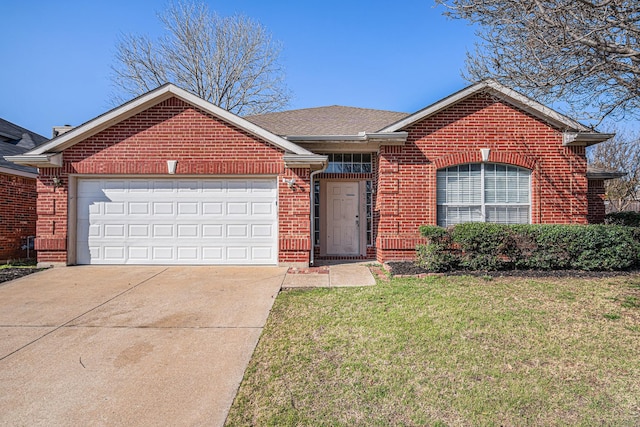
x=332, y=120
x=15, y=140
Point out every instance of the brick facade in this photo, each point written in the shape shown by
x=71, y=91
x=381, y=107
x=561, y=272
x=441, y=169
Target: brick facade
x=595, y=198
x=17, y=215
x=201, y=143
x=403, y=176
x=406, y=196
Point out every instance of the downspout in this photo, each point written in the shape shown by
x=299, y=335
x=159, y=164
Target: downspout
x=313, y=211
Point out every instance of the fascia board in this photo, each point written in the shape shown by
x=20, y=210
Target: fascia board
x=154, y=97
x=313, y=161
x=48, y=160
x=362, y=136
x=605, y=175
x=585, y=138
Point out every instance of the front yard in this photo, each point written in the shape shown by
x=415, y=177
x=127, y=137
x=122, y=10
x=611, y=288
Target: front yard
x=449, y=351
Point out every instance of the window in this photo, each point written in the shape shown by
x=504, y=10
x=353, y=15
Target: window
x=349, y=163
x=483, y=192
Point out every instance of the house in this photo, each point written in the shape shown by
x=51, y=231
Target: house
x=17, y=193
x=169, y=178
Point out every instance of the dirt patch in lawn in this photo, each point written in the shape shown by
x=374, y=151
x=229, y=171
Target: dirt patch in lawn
x=408, y=268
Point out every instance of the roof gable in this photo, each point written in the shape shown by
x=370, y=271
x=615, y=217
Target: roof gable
x=494, y=88
x=148, y=100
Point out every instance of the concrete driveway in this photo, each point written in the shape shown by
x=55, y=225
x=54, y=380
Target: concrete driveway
x=129, y=345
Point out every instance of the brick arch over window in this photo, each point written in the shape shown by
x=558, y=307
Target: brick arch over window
x=506, y=157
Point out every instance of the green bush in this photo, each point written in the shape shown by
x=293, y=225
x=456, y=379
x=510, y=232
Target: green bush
x=628, y=218
x=436, y=255
x=481, y=246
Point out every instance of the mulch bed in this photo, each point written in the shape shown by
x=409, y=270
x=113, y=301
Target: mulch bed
x=410, y=269
x=7, y=274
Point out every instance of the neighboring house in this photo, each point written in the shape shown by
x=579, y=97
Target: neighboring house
x=168, y=178
x=17, y=193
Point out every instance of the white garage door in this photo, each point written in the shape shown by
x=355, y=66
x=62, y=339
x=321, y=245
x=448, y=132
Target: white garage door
x=177, y=221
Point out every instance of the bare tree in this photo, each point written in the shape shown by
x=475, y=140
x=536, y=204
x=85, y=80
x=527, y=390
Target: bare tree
x=583, y=52
x=622, y=153
x=229, y=61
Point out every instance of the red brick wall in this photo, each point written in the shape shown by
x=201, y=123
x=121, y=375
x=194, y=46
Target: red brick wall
x=595, y=198
x=202, y=145
x=17, y=215
x=406, y=195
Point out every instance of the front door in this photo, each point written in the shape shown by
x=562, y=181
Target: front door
x=343, y=222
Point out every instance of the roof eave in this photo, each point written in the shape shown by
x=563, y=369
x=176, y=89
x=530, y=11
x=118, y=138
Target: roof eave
x=48, y=160
x=573, y=139
x=18, y=172
x=305, y=161
x=387, y=138
x=605, y=175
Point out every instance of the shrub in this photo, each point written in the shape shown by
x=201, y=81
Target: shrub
x=482, y=246
x=628, y=218
x=437, y=254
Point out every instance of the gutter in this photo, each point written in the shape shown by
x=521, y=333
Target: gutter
x=360, y=136
x=50, y=160
x=585, y=138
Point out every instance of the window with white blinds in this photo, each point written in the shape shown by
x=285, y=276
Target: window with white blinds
x=483, y=192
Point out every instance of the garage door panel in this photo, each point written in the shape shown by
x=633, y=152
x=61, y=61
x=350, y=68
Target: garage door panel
x=237, y=208
x=162, y=253
x=139, y=230
x=175, y=221
x=163, y=208
x=163, y=230
x=114, y=230
x=113, y=208
x=139, y=253
x=139, y=208
x=114, y=253
x=212, y=231
x=262, y=208
x=187, y=231
x=261, y=253
x=188, y=208
x=262, y=230
x=214, y=254
x=212, y=208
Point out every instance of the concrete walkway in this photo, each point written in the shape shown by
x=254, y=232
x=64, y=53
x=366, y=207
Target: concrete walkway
x=129, y=346
x=330, y=276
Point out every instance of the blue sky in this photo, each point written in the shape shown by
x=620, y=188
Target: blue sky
x=393, y=55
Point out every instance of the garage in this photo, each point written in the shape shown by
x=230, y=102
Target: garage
x=177, y=221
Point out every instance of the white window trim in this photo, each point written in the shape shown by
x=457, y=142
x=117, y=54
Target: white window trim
x=483, y=204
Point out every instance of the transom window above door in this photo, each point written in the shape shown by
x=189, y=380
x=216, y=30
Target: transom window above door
x=483, y=192
x=349, y=163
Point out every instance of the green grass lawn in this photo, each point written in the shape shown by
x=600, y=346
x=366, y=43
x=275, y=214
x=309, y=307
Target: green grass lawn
x=449, y=351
